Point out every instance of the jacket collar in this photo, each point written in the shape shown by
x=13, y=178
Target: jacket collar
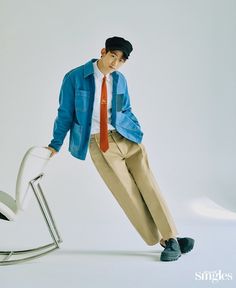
x=88, y=68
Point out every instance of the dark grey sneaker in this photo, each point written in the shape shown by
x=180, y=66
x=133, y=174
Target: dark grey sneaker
x=186, y=244
x=172, y=251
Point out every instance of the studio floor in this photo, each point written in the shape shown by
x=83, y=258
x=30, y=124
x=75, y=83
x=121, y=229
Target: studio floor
x=210, y=264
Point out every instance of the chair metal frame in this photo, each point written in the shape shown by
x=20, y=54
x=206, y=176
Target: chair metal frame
x=42, y=250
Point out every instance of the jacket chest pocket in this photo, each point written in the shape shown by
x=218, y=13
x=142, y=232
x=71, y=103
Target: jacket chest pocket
x=82, y=100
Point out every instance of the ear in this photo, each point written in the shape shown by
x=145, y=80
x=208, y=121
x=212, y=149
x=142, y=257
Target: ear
x=103, y=52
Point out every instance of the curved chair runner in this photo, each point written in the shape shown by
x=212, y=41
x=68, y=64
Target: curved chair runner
x=28, y=180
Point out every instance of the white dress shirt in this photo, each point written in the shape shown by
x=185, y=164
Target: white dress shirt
x=98, y=76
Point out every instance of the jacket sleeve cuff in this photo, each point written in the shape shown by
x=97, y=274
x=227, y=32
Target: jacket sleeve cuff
x=57, y=148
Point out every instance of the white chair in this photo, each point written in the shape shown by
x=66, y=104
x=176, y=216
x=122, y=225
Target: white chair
x=28, y=184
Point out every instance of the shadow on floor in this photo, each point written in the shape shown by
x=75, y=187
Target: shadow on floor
x=151, y=255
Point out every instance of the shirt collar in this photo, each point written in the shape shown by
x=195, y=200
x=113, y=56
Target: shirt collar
x=98, y=73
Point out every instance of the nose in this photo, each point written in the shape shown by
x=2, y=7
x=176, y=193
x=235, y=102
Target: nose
x=114, y=63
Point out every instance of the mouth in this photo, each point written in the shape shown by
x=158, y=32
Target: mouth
x=112, y=67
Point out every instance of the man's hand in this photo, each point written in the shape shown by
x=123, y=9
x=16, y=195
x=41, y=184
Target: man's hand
x=52, y=150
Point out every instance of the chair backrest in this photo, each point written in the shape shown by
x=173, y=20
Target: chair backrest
x=33, y=164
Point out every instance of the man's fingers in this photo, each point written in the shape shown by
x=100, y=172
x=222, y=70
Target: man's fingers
x=53, y=151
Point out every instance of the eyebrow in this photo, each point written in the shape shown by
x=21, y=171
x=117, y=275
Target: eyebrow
x=114, y=53
x=123, y=58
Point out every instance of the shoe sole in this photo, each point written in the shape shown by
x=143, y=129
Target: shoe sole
x=187, y=251
x=170, y=259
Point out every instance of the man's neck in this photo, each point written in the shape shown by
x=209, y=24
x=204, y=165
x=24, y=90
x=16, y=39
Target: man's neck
x=101, y=67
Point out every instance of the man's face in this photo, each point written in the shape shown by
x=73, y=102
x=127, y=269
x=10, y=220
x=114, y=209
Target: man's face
x=112, y=60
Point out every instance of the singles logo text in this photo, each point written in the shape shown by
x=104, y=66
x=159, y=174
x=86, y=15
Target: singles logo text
x=213, y=276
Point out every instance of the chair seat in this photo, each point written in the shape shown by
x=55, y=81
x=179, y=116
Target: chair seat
x=8, y=207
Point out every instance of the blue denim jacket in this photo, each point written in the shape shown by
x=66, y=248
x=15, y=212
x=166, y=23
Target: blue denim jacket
x=76, y=107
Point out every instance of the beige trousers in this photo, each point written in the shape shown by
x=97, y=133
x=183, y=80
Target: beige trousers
x=124, y=168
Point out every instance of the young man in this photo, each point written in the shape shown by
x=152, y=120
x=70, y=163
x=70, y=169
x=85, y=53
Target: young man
x=95, y=107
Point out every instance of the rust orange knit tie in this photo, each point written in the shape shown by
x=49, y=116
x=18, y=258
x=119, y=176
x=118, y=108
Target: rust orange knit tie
x=103, y=117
